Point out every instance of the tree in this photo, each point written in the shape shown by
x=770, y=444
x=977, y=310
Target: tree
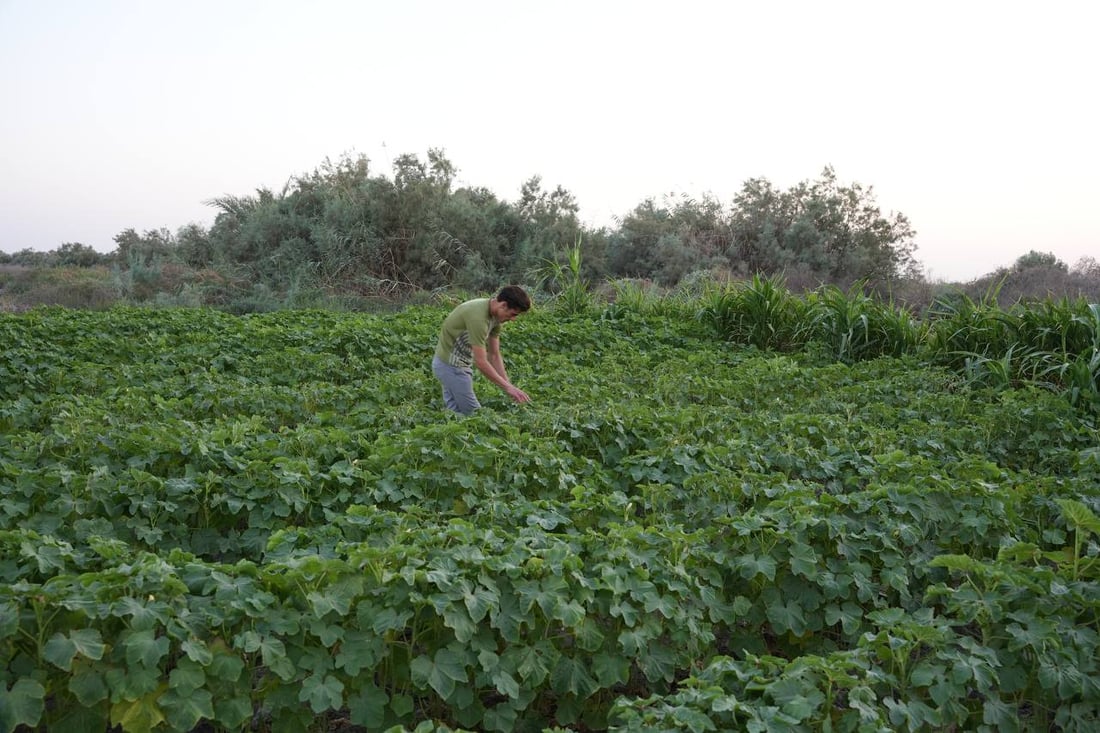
x=75, y=254
x=143, y=249
x=549, y=226
x=1087, y=267
x=666, y=241
x=194, y=248
x=1034, y=259
x=835, y=231
x=759, y=221
x=633, y=248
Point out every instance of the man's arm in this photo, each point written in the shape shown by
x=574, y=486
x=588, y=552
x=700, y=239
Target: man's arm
x=490, y=363
x=493, y=350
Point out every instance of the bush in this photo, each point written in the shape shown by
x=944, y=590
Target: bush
x=71, y=287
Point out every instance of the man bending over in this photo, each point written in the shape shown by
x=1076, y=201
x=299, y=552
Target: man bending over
x=471, y=337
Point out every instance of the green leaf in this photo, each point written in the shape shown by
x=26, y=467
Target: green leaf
x=570, y=613
x=9, y=619
x=385, y=619
x=88, y=687
x=505, y=683
x=358, y=651
x=479, y=601
x=963, y=563
x=59, y=651
x=368, y=706
x=1079, y=516
x=273, y=653
x=588, y=634
x=457, y=619
x=626, y=611
x=132, y=682
x=666, y=605
x=224, y=665
x=440, y=673
x=137, y=716
x=322, y=692
x=533, y=664
x=571, y=675
x=611, y=669
x=658, y=662
x=752, y=566
x=197, y=651
x=186, y=678
x=927, y=673
x=500, y=718
x=184, y=708
x=23, y=704
x=803, y=560
x=847, y=614
x=694, y=720
x=401, y=705
x=145, y=649
x=787, y=617
x=1002, y=717
x=233, y=712
x=329, y=634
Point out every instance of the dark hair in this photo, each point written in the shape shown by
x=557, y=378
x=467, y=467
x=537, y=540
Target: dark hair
x=515, y=298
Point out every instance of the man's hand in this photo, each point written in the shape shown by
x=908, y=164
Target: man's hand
x=517, y=394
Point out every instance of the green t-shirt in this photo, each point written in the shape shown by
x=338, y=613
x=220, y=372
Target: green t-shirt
x=467, y=325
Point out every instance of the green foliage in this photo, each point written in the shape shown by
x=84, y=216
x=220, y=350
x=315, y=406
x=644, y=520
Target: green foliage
x=222, y=521
x=666, y=242
x=833, y=231
x=71, y=287
x=1054, y=344
x=855, y=327
x=1038, y=259
x=570, y=289
x=549, y=225
x=349, y=236
x=761, y=313
x=75, y=254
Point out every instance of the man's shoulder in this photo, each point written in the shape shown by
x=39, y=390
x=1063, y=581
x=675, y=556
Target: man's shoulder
x=473, y=306
x=471, y=311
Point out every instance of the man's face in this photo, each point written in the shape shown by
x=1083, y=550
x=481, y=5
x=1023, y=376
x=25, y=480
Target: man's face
x=505, y=312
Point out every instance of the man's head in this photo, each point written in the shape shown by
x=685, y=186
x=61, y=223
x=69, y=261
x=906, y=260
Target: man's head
x=511, y=301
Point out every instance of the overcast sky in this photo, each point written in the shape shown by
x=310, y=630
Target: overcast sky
x=976, y=120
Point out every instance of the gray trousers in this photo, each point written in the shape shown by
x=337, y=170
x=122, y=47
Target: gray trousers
x=458, y=386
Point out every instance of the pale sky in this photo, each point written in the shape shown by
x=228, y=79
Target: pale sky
x=977, y=120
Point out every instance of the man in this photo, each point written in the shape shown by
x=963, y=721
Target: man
x=471, y=337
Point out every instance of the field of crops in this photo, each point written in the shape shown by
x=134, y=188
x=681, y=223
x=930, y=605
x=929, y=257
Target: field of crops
x=211, y=522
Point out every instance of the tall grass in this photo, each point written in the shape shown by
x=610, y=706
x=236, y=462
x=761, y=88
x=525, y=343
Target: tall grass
x=760, y=313
x=1065, y=326
x=1054, y=344
x=855, y=326
x=647, y=299
x=962, y=329
x=1051, y=344
x=571, y=291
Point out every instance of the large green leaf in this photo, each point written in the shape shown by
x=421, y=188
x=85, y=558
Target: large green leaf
x=368, y=706
x=88, y=643
x=184, y=707
x=322, y=692
x=572, y=676
x=22, y=704
x=145, y=648
x=440, y=672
